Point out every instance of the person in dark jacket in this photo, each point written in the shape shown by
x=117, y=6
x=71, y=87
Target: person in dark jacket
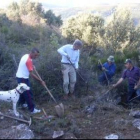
x=109, y=69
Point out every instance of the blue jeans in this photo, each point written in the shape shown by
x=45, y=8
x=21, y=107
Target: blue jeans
x=103, y=80
x=27, y=96
x=132, y=93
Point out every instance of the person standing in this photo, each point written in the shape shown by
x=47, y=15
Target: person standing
x=132, y=74
x=70, y=52
x=25, y=69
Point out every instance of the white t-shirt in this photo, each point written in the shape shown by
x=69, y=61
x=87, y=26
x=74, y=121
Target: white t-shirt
x=25, y=66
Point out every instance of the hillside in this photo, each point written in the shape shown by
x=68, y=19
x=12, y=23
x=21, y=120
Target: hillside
x=97, y=110
x=105, y=10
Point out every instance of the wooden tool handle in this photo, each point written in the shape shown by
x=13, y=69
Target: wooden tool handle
x=45, y=85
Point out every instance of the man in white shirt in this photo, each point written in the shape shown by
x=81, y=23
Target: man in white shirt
x=24, y=70
x=70, y=53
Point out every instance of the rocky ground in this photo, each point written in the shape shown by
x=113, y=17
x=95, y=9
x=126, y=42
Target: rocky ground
x=85, y=117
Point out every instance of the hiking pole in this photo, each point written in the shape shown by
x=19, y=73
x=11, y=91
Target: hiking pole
x=104, y=72
x=79, y=74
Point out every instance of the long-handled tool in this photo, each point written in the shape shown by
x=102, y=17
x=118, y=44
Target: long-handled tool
x=136, y=92
x=59, y=108
x=86, y=82
x=104, y=72
x=106, y=93
x=134, y=98
x=21, y=120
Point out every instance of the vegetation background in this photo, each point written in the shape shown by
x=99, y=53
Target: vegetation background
x=104, y=31
x=26, y=25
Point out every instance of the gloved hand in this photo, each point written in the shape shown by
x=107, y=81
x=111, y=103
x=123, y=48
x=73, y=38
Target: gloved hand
x=103, y=69
x=114, y=85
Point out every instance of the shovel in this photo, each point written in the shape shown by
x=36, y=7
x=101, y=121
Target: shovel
x=59, y=108
x=79, y=74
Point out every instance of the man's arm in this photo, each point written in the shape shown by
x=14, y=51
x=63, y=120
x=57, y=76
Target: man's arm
x=62, y=51
x=37, y=78
x=119, y=82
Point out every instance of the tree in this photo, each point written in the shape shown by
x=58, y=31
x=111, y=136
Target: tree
x=119, y=30
x=86, y=27
x=13, y=6
x=27, y=6
x=52, y=19
x=58, y=21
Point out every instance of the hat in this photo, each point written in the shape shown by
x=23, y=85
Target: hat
x=128, y=61
x=111, y=59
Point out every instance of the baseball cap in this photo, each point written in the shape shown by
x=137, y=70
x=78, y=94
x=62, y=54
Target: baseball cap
x=128, y=61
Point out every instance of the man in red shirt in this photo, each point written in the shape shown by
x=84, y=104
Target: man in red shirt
x=25, y=69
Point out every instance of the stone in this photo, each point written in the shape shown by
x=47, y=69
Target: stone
x=121, y=122
x=57, y=134
x=1, y=117
x=135, y=114
x=136, y=123
x=90, y=109
x=112, y=136
x=21, y=131
x=69, y=136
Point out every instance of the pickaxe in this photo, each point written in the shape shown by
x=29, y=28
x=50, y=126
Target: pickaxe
x=104, y=72
x=25, y=121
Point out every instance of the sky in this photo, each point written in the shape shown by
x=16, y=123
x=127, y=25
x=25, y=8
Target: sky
x=72, y=3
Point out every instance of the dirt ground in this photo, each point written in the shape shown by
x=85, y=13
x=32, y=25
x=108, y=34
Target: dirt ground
x=105, y=120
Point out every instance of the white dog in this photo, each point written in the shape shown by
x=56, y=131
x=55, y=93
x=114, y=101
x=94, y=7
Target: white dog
x=13, y=95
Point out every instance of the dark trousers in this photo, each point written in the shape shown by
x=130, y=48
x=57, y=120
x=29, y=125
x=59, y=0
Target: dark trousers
x=132, y=93
x=103, y=80
x=27, y=96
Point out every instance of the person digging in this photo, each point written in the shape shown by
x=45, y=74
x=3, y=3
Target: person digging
x=70, y=54
x=109, y=69
x=25, y=70
x=132, y=74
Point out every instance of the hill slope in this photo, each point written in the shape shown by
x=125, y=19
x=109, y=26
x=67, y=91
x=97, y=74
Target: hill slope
x=105, y=10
